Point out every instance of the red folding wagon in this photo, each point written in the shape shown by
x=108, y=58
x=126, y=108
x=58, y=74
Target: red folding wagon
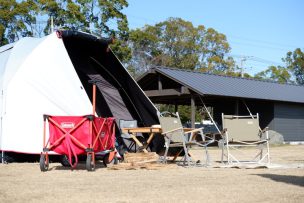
x=78, y=135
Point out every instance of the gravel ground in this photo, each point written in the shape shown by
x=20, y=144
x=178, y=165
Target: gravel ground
x=23, y=182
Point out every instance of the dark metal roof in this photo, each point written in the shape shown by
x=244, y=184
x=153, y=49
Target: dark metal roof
x=216, y=85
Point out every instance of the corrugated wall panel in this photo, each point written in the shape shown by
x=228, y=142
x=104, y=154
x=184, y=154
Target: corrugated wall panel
x=289, y=121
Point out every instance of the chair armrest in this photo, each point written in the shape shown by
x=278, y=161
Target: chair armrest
x=193, y=133
x=194, y=130
x=170, y=131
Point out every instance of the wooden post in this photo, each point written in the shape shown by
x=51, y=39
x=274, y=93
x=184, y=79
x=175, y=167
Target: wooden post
x=236, y=109
x=175, y=107
x=160, y=85
x=192, y=111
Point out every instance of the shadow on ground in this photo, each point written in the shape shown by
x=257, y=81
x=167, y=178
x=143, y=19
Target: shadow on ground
x=294, y=180
x=79, y=167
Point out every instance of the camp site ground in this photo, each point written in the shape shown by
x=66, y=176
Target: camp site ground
x=62, y=87
x=284, y=182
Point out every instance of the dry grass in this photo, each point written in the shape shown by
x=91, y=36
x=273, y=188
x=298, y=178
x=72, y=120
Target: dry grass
x=23, y=182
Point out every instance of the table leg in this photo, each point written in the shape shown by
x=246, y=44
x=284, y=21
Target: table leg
x=138, y=142
x=149, y=140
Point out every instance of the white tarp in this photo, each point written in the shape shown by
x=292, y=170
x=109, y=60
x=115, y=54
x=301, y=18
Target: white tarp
x=37, y=77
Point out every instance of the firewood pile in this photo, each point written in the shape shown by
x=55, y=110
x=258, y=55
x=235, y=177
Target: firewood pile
x=135, y=161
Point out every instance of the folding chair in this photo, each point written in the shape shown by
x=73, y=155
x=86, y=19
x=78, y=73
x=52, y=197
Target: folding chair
x=243, y=131
x=175, y=136
x=128, y=140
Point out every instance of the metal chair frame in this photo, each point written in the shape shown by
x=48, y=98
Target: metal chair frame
x=245, y=132
x=175, y=136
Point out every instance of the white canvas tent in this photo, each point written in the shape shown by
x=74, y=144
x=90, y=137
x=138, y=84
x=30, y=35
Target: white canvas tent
x=39, y=77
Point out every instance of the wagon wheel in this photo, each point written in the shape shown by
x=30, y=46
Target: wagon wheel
x=44, y=163
x=107, y=162
x=90, y=166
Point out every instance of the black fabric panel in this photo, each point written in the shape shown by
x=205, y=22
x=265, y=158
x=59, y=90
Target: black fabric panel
x=118, y=95
x=141, y=107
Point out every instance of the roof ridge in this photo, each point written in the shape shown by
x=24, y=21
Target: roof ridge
x=228, y=76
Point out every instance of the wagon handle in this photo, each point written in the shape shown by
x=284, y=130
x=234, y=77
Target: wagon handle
x=94, y=94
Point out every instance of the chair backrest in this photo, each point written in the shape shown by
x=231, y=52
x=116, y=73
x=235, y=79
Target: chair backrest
x=170, y=122
x=127, y=123
x=242, y=128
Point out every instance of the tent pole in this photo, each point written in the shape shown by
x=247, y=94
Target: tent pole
x=247, y=108
x=94, y=98
x=250, y=112
x=209, y=115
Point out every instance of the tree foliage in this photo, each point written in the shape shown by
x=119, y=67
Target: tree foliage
x=177, y=43
x=295, y=63
x=16, y=20
x=278, y=74
x=99, y=17
x=292, y=72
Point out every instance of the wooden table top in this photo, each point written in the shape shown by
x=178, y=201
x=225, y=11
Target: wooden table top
x=142, y=130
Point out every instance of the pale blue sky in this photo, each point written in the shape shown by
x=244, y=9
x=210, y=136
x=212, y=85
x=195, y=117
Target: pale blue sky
x=264, y=29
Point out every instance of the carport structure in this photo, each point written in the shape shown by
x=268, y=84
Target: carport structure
x=280, y=106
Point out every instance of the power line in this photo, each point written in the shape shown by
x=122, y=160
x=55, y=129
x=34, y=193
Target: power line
x=255, y=45
x=255, y=58
x=261, y=41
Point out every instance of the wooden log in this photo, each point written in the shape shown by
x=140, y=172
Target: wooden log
x=141, y=157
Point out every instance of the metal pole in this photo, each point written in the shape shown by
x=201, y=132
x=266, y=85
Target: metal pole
x=2, y=157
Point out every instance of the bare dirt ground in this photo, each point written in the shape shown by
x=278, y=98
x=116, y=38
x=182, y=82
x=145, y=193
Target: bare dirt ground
x=23, y=182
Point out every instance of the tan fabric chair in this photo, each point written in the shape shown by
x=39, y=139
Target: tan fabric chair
x=175, y=136
x=243, y=131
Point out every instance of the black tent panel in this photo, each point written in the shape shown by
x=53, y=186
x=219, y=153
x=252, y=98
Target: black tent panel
x=118, y=94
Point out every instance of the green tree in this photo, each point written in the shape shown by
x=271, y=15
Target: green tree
x=177, y=43
x=16, y=20
x=295, y=63
x=275, y=73
x=99, y=17
x=293, y=70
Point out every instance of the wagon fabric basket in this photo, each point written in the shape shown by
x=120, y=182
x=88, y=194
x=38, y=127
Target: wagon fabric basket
x=77, y=135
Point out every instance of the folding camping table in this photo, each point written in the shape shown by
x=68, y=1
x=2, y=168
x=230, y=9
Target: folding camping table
x=150, y=130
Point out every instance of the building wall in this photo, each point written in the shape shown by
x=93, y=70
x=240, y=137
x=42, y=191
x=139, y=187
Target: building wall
x=289, y=121
x=265, y=109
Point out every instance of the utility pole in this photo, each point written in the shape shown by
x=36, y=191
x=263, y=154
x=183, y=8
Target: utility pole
x=243, y=59
x=52, y=24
